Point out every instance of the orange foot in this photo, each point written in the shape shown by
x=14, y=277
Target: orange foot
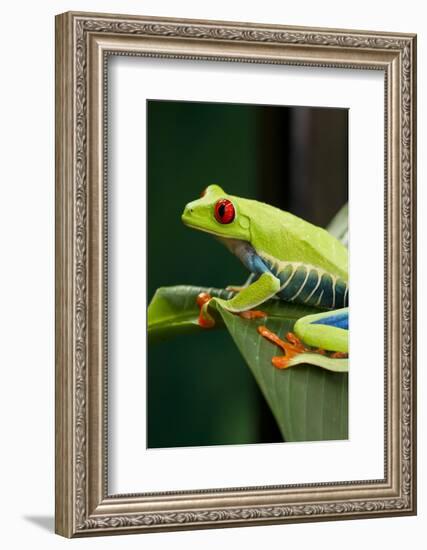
x=206, y=321
x=291, y=348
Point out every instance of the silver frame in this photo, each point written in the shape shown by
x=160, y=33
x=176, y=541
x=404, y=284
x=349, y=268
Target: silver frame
x=83, y=43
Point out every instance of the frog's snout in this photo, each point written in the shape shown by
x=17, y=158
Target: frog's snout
x=187, y=214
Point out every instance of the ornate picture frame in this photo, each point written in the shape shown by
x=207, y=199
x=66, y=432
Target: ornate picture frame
x=84, y=42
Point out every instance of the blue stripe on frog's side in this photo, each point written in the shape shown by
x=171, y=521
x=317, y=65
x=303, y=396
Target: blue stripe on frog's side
x=306, y=284
x=338, y=320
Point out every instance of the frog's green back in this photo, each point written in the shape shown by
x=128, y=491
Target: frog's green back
x=286, y=237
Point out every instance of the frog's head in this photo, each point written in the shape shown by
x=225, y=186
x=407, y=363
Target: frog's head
x=218, y=213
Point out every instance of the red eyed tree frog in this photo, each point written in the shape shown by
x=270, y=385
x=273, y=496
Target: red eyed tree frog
x=289, y=259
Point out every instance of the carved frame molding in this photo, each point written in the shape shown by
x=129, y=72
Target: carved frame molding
x=83, y=43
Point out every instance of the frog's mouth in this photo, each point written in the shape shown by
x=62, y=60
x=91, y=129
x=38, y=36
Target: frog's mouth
x=241, y=248
x=230, y=242
x=195, y=226
x=189, y=218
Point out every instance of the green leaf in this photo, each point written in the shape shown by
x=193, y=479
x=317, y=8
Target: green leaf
x=173, y=310
x=308, y=402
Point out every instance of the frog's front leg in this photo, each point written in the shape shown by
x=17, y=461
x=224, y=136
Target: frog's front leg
x=322, y=333
x=243, y=302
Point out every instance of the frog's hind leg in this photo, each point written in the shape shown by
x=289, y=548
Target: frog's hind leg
x=328, y=330
x=321, y=333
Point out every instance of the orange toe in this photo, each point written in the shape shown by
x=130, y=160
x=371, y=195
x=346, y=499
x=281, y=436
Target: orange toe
x=203, y=298
x=281, y=361
x=205, y=320
x=252, y=314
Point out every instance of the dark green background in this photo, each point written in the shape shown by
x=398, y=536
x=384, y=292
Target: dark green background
x=200, y=391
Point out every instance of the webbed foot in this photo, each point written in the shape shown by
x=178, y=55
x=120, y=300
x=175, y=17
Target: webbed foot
x=292, y=347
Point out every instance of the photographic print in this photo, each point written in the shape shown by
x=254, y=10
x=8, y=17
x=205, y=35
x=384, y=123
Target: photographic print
x=248, y=289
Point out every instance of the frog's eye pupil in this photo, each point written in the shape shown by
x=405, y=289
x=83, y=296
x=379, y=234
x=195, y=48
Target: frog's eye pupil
x=224, y=211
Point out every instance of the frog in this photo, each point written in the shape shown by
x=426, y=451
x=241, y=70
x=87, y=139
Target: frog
x=288, y=259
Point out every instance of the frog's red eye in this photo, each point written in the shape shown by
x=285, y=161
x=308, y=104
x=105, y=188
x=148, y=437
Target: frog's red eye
x=224, y=211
